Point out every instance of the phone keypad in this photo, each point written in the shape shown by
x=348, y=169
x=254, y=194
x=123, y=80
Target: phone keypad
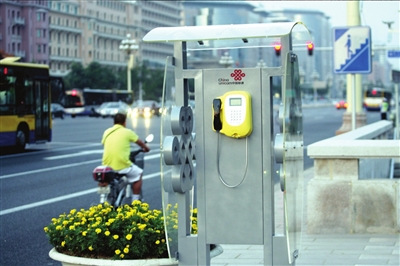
x=235, y=116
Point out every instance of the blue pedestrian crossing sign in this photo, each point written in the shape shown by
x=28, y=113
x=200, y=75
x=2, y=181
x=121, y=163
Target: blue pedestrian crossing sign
x=352, y=50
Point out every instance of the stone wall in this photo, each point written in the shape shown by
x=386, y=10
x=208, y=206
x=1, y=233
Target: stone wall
x=339, y=200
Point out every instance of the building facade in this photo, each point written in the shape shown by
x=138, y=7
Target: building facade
x=24, y=30
x=60, y=32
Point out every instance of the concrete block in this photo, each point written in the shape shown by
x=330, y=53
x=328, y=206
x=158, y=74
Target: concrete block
x=329, y=206
x=336, y=169
x=375, y=206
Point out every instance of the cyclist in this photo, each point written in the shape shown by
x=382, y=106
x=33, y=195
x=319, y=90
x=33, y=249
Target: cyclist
x=116, y=141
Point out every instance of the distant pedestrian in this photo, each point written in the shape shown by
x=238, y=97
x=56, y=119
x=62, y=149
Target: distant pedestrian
x=384, y=109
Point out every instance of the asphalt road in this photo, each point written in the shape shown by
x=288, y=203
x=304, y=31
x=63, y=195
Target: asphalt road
x=49, y=179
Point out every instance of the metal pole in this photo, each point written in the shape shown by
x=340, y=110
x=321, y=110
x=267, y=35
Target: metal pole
x=397, y=125
x=353, y=109
x=129, y=73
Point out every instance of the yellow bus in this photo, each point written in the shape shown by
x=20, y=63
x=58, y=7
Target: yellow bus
x=373, y=98
x=25, y=98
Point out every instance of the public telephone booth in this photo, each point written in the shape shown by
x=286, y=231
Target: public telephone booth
x=232, y=139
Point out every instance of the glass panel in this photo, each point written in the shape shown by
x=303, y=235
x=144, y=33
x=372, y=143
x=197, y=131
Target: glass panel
x=293, y=157
x=168, y=198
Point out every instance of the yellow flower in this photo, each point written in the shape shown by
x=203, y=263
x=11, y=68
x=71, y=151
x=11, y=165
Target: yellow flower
x=46, y=229
x=73, y=211
x=107, y=233
x=63, y=244
x=115, y=237
x=142, y=226
x=126, y=250
x=117, y=251
x=98, y=230
x=84, y=233
x=128, y=237
x=122, y=256
x=90, y=248
x=157, y=242
x=58, y=227
x=72, y=227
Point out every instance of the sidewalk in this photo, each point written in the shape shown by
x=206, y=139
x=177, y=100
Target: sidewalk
x=337, y=249
x=324, y=250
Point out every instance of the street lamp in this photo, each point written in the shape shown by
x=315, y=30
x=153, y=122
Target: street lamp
x=226, y=60
x=129, y=46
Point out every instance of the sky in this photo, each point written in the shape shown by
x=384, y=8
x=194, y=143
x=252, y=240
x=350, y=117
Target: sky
x=372, y=14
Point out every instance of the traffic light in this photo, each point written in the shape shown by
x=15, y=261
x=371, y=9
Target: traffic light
x=310, y=48
x=278, y=48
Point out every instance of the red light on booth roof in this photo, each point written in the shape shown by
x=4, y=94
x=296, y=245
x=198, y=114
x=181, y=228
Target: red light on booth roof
x=310, y=47
x=278, y=47
x=5, y=71
x=374, y=92
x=74, y=93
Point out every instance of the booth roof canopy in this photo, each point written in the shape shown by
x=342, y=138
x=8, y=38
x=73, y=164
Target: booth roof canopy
x=221, y=32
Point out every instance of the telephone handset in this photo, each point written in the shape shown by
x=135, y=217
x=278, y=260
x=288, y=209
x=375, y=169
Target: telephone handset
x=232, y=114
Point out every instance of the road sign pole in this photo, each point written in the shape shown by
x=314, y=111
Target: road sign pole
x=353, y=103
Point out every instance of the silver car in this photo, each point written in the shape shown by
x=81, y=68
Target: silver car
x=109, y=109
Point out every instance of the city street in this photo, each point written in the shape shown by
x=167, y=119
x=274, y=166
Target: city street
x=53, y=178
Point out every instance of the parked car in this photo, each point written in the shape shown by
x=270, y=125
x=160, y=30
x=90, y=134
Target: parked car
x=109, y=109
x=341, y=105
x=145, y=109
x=57, y=110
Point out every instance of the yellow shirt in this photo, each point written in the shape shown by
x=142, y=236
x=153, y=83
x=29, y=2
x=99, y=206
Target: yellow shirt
x=116, y=141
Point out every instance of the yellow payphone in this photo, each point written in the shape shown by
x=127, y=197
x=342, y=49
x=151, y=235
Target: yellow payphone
x=232, y=114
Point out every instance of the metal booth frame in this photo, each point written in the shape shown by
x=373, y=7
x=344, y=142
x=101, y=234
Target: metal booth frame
x=248, y=209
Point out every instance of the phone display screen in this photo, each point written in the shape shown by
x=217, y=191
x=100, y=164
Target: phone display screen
x=235, y=101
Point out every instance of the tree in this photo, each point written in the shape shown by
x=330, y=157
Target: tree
x=152, y=82
x=97, y=76
x=76, y=77
x=100, y=77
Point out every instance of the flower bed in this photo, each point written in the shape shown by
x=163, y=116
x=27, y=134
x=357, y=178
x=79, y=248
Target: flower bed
x=127, y=232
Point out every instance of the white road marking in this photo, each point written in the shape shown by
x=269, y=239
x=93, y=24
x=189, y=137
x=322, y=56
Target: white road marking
x=69, y=196
x=61, y=198
x=149, y=157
